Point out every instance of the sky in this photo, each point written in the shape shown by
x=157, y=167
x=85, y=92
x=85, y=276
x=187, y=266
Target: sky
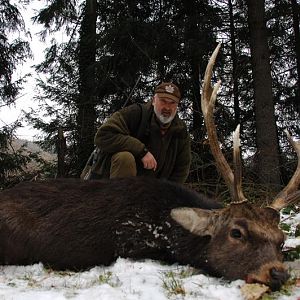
x=131, y=280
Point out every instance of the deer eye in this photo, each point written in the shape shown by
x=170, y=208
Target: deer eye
x=235, y=233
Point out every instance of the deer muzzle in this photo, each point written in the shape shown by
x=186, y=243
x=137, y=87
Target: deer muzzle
x=272, y=275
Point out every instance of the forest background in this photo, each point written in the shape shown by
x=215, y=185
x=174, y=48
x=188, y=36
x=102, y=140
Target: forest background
x=116, y=52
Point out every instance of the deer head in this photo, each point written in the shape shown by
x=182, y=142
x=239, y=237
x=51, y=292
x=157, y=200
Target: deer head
x=245, y=240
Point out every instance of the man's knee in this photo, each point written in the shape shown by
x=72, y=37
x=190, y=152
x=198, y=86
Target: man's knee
x=123, y=165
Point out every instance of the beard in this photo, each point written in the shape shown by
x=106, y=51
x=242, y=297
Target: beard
x=164, y=117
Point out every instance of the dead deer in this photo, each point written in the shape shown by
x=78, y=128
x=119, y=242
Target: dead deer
x=77, y=224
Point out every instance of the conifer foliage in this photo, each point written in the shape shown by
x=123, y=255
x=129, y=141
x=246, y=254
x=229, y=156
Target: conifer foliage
x=13, y=51
x=117, y=51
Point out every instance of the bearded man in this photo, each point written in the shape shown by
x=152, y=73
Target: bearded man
x=145, y=140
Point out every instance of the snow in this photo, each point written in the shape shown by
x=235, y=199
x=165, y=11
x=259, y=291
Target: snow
x=292, y=243
x=125, y=279
x=293, y=220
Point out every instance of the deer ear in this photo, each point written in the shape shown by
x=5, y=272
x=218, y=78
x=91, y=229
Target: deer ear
x=196, y=220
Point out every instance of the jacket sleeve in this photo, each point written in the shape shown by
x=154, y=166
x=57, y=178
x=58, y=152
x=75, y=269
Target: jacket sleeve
x=183, y=161
x=116, y=134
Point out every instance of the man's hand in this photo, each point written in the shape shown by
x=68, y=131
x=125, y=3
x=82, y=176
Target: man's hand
x=149, y=161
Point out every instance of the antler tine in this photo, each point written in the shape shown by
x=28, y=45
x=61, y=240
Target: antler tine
x=290, y=194
x=208, y=99
x=237, y=166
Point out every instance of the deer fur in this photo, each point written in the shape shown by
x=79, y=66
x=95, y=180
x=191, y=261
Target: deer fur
x=74, y=224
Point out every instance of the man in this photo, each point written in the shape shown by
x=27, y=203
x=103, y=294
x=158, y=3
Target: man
x=146, y=140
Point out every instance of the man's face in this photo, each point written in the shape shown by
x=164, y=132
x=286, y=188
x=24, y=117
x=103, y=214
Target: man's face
x=165, y=109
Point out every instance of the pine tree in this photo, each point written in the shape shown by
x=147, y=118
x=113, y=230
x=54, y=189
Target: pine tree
x=14, y=51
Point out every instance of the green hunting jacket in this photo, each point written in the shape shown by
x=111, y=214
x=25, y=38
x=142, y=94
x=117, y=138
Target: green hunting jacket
x=135, y=128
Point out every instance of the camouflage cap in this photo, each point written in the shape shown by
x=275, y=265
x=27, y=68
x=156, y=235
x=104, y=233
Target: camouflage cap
x=168, y=90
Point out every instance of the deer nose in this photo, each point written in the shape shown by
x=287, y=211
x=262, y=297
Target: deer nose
x=278, y=278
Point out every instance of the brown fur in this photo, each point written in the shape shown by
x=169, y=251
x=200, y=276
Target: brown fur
x=78, y=224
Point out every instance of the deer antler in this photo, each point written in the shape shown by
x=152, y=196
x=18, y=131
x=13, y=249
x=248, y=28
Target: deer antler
x=290, y=194
x=208, y=99
x=238, y=192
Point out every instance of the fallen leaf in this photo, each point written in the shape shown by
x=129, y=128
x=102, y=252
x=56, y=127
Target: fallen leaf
x=253, y=291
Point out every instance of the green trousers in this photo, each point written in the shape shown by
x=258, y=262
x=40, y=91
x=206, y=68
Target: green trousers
x=123, y=165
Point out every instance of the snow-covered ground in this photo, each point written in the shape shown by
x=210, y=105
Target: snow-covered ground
x=147, y=280
x=129, y=280
x=125, y=279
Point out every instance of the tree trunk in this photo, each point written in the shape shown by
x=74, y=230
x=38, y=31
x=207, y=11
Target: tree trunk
x=266, y=134
x=295, y=12
x=61, y=152
x=192, y=45
x=86, y=103
x=234, y=66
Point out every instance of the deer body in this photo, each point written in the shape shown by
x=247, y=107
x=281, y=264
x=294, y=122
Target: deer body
x=78, y=224
x=74, y=224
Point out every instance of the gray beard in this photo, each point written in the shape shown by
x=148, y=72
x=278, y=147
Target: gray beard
x=164, y=120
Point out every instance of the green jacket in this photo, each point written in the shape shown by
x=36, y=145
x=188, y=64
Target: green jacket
x=121, y=133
